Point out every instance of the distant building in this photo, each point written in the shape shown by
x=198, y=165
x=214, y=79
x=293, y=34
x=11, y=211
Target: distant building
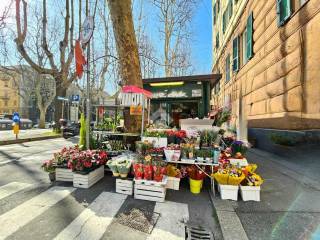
x=268, y=54
x=9, y=93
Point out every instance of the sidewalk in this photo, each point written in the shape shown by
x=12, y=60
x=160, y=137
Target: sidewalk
x=7, y=137
x=290, y=197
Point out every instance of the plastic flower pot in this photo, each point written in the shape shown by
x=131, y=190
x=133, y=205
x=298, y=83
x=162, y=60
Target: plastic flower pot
x=195, y=185
x=52, y=176
x=250, y=193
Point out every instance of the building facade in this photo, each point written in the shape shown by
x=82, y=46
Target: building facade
x=268, y=53
x=9, y=94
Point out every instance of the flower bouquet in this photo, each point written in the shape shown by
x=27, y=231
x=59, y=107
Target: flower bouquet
x=147, y=168
x=180, y=135
x=196, y=177
x=173, y=171
x=113, y=167
x=159, y=170
x=123, y=167
x=171, y=137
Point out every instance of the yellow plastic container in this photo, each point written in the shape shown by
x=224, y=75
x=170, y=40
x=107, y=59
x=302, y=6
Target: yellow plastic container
x=195, y=186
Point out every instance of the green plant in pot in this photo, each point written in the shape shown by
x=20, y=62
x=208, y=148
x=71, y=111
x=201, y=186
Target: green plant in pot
x=124, y=168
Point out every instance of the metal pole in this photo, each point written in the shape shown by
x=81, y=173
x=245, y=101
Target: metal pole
x=88, y=99
x=142, y=124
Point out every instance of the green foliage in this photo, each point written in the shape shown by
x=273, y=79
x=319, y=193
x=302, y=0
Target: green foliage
x=82, y=139
x=207, y=137
x=282, y=139
x=109, y=123
x=159, y=134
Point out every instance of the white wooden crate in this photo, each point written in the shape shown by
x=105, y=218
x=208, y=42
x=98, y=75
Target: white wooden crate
x=64, y=174
x=87, y=180
x=173, y=183
x=124, y=186
x=150, y=190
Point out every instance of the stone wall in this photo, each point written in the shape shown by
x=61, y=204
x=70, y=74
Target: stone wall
x=280, y=86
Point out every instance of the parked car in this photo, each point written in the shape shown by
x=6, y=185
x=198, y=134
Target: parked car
x=70, y=129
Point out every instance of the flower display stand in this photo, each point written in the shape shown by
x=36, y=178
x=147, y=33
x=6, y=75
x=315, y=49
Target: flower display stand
x=150, y=190
x=250, y=193
x=87, y=180
x=157, y=141
x=173, y=183
x=64, y=174
x=229, y=192
x=124, y=186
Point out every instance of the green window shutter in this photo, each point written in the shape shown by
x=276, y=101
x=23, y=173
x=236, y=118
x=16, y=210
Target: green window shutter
x=230, y=7
x=235, y=53
x=249, y=37
x=228, y=68
x=224, y=22
x=283, y=11
x=214, y=14
x=217, y=40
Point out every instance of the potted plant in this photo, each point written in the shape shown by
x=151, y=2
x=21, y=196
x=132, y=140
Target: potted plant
x=123, y=168
x=172, y=152
x=159, y=170
x=113, y=167
x=156, y=138
x=196, y=177
x=147, y=168
x=171, y=137
x=48, y=167
x=138, y=168
x=200, y=155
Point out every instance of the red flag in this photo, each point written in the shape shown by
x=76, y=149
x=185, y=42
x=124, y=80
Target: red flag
x=80, y=60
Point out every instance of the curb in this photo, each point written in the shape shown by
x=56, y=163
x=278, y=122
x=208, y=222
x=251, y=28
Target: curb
x=230, y=224
x=15, y=141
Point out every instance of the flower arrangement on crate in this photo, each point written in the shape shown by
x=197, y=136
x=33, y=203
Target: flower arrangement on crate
x=87, y=161
x=147, y=168
x=155, y=152
x=229, y=176
x=172, y=152
x=62, y=158
x=251, y=177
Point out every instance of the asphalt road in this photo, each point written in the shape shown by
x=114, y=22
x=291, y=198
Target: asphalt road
x=32, y=208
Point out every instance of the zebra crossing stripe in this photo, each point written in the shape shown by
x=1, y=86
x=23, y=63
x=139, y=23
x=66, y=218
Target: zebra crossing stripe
x=16, y=218
x=12, y=188
x=171, y=223
x=93, y=221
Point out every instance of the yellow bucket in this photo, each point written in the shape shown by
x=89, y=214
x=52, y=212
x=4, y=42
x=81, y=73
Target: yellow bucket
x=195, y=186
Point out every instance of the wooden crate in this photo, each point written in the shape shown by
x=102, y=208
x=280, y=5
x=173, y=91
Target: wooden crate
x=87, y=180
x=150, y=190
x=124, y=186
x=173, y=183
x=64, y=174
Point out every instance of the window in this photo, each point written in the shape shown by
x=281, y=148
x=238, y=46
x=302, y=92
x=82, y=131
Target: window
x=217, y=88
x=249, y=37
x=228, y=68
x=230, y=7
x=235, y=54
x=283, y=11
x=217, y=41
x=214, y=14
x=224, y=20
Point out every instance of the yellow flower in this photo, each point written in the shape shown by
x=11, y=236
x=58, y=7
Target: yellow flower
x=147, y=158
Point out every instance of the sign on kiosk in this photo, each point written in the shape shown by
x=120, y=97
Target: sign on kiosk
x=136, y=110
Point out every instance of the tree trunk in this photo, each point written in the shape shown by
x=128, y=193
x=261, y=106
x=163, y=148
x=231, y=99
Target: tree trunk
x=127, y=49
x=60, y=92
x=126, y=42
x=42, y=118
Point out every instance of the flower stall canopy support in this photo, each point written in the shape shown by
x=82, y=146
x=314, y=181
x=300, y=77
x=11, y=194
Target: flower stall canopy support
x=134, y=96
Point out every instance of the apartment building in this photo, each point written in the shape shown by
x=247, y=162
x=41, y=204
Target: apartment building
x=9, y=97
x=268, y=52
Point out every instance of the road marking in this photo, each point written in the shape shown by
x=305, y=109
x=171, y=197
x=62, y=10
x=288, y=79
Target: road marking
x=93, y=221
x=16, y=218
x=12, y=188
x=171, y=223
